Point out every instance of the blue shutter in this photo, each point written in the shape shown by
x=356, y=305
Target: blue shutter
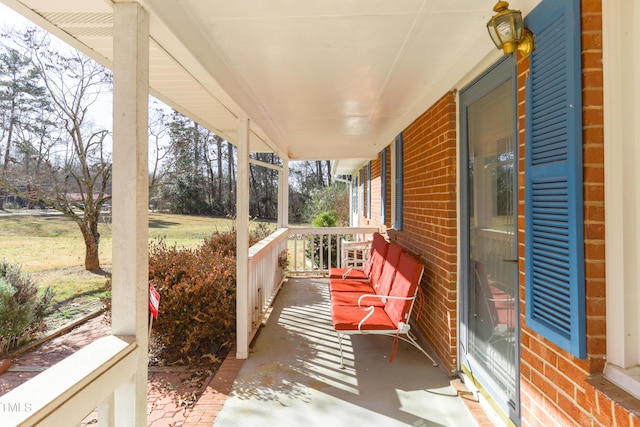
x=365, y=203
x=554, y=242
x=383, y=187
x=361, y=192
x=399, y=181
x=369, y=190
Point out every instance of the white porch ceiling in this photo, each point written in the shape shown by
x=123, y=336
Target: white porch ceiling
x=323, y=79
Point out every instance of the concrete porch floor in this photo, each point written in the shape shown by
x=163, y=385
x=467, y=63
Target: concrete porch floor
x=292, y=376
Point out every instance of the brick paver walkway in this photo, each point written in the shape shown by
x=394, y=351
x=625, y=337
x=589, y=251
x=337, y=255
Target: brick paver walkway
x=177, y=397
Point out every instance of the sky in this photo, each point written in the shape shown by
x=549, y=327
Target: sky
x=102, y=112
x=7, y=15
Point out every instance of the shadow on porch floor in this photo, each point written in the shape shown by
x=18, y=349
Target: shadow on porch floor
x=292, y=376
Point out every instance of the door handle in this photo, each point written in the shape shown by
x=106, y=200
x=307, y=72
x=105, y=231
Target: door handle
x=511, y=260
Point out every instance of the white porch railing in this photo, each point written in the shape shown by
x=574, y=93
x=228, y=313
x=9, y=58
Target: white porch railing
x=266, y=274
x=66, y=393
x=312, y=250
x=306, y=250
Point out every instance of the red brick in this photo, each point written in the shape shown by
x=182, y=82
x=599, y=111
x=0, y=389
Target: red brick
x=593, y=135
x=604, y=409
x=622, y=417
x=559, y=380
x=593, y=154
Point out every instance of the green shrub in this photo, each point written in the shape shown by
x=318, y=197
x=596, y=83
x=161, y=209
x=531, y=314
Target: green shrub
x=22, y=308
x=320, y=245
x=197, y=314
x=325, y=219
x=332, y=198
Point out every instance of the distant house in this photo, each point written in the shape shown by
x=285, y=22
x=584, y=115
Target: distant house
x=80, y=198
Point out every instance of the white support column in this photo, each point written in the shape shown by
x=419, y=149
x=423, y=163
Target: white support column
x=243, y=323
x=621, y=61
x=131, y=201
x=283, y=195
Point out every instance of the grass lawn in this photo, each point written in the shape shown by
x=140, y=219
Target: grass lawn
x=51, y=248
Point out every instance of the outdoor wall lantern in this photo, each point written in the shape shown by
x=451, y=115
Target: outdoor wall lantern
x=507, y=30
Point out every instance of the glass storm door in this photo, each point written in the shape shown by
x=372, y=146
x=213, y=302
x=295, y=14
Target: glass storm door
x=489, y=335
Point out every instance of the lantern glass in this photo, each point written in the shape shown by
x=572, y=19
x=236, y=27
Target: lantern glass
x=518, y=26
x=505, y=28
x=494, y=34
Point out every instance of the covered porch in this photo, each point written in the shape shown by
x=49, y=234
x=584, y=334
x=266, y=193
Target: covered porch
x=292, y=375
x=330, y=80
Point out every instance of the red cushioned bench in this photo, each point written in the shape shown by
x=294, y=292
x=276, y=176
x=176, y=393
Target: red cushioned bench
x=380, y=306
x=347, y=292
x=372, y=265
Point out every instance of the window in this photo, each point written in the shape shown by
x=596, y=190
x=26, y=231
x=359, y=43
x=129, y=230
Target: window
x=397, y=172
x=554, y=245
x=621, y=40
x=365, y=193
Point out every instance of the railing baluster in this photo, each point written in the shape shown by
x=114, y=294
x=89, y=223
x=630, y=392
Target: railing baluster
x=314, y=247
x=304, y=254
x=295, y=252
x=106, y=414
x=321, y=249
x=331, y=257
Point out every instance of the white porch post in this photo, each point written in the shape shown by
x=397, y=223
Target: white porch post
x=131, y=201
x=242, y=241
x=283, y=195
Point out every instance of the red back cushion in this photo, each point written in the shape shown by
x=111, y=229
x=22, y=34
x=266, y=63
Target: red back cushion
x=379, y=248
x=383, y=283
x=405, y=284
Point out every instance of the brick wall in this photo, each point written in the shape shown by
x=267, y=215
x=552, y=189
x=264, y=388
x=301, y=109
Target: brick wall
x=429, y=228
x=429, y=224
x=554, y=387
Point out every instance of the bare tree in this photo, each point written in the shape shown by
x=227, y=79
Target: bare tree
x=158, y=132
x=231, y=177
x=75, y=171
x=219, y=157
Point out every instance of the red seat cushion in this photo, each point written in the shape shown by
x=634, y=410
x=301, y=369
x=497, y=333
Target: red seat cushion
x=351, y=274
x=347, y=318
x=350, y=286
x=351, y=298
